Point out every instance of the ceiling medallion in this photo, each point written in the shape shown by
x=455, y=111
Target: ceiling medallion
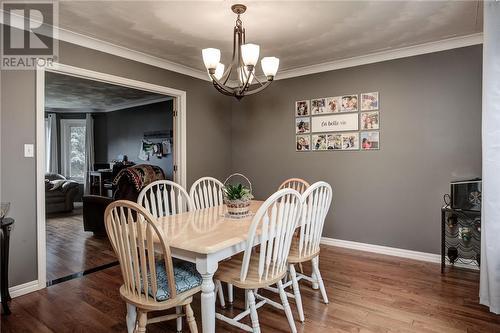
x=245, y=57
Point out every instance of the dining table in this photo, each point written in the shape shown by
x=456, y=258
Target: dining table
x=204, y=237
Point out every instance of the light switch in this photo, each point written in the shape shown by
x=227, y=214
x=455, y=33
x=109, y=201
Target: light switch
x=29, y=150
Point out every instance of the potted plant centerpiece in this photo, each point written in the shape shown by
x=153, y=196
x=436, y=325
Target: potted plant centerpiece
x=237, y=197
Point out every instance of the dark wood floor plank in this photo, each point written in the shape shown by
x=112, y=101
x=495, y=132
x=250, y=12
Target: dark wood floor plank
x=368, y=293
x=70, y=249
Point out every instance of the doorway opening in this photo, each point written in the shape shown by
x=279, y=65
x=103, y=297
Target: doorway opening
x=90, y=127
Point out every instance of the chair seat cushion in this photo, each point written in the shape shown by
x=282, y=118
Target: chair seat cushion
x=186, y=278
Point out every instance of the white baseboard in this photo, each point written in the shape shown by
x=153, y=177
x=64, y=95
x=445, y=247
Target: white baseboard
x=390, y=251
x=24, y=289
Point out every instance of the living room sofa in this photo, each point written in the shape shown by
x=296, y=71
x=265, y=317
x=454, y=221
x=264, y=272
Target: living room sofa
x=60, y=193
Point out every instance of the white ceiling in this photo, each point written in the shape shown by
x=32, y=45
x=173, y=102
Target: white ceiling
x=300, y=33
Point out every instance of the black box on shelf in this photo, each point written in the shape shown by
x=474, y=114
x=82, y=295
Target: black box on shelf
x=466, y=195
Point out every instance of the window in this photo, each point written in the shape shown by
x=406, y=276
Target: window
x=73, y=148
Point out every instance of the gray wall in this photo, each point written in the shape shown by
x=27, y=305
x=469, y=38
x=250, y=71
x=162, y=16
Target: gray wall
x=208, y=120
x=430, y=134
x=120, y=133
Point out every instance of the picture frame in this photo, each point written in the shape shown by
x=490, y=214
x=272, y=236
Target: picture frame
x=318, y=106
x=333, y=104
x=318, y=142
x=349, y=103
x=335, y=123
x=302, y=125
x=370, y=140
x=334, y=141
x=302, y=108
x=350, y=141
x=370, y=101
x=369, y=120
x=302, y=143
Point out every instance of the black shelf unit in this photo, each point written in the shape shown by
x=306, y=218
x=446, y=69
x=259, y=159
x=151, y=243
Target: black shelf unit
x=460, y=237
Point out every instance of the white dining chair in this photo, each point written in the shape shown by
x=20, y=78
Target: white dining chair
x=152, y=281
x=316, y=201
x=276, y=221
x=164, y=198
x=206, y=192
x=298, y=184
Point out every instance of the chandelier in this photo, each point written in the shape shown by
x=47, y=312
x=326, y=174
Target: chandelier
x=245, y=57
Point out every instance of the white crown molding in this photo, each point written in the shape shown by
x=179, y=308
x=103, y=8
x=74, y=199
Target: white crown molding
x=120, y=51
x=117, y=107
x=65, y=35
x=390, y=251
x=124, y=52
x=141, y=102
x=410, y=51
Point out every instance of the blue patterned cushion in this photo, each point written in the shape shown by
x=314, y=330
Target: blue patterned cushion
x=185, y=274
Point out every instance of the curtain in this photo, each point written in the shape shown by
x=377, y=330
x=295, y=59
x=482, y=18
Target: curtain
x=51, y=146
x=489, y=292
x=89, y=150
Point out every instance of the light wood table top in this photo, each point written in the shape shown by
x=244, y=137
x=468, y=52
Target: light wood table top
x=206, y=230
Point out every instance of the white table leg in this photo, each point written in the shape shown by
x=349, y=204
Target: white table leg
x=315, y=284
x=131, y=318
x=207, y=268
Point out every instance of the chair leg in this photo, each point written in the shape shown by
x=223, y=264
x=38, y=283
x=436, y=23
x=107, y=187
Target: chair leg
x=220, y=293
x=142, y=319
x=253, y=311
x=287, y=277
x=315, y=265
x=230, y=296
x=178, y=310
x=296, y=292
x=190, y=318
x=286, y=306
x=131, y=318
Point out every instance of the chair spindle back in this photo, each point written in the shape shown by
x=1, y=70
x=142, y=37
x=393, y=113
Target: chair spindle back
x=164, y=198
x=206, y=192
x=299, y=185
x=132, y=232
x=276, y=219
x=316, y=201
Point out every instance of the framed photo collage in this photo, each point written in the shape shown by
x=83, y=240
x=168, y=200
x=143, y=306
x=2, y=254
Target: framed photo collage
x=349, y=122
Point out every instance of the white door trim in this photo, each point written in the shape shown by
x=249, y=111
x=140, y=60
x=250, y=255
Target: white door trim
x=180, y=148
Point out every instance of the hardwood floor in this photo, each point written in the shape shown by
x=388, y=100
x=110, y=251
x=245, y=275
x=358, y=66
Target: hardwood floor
x=70, y=249
x=368, y=293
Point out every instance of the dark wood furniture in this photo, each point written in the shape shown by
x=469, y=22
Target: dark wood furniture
x=460, y=237
x=95, y=205
x=6, y=225
x=98, y=178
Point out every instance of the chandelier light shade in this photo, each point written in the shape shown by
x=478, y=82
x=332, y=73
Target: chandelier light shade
x=270, y=66
x=211, y=58
x=250, y=54
x=243, y=64
x=219, y=71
